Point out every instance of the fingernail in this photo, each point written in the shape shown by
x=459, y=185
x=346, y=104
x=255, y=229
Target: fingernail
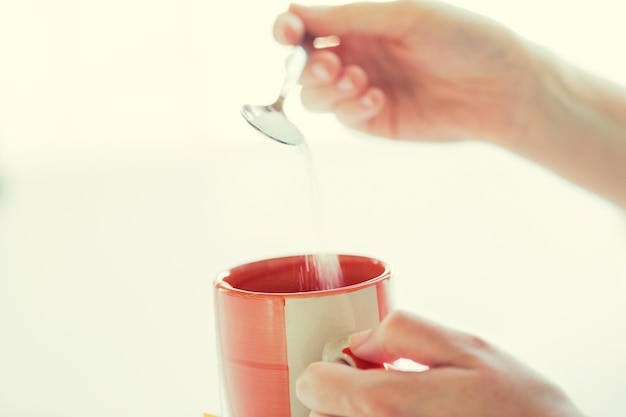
x=368, y=101
x=288, y=28
x=293, y=21
x=345, y=83
x=359, y=338
x=320, y=71
x=302, y=387
x=281, y=35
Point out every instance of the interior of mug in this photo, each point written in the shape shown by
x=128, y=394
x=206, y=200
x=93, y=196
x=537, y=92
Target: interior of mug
x=296, y=274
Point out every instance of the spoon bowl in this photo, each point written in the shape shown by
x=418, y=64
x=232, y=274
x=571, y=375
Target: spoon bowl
x=270, y=119
x=272, y=122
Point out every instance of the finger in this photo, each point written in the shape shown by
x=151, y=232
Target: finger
x=324, y=397
x=404, y=335
x=383, y=19
x=356, y=113
x=326, y=387
x=349, y=85
x=323, y=68
x=339, y=390
x=288, y=29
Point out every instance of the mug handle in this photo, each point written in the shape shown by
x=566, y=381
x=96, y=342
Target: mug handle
x=338, y=350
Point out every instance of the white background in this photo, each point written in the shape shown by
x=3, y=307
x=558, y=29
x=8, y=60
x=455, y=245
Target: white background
x=129, y=180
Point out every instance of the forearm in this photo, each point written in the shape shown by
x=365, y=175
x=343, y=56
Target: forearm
x=575, y=125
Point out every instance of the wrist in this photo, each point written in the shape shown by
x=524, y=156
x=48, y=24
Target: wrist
x=573, y=123
x=522, y=94
x=525, y=97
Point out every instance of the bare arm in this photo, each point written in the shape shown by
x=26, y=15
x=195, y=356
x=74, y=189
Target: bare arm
x=576, y=127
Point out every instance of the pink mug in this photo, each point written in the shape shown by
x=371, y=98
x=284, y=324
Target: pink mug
x=273, y=321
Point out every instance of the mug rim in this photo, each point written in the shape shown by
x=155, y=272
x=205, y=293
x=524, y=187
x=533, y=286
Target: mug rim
x=221, y=285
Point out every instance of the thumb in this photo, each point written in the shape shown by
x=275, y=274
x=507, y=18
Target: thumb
x=389, y=19
x=402, y=335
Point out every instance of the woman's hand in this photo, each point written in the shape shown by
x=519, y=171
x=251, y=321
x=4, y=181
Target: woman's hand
x=412, y=69
x=466, y=377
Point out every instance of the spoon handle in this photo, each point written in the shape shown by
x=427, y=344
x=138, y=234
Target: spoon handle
x=294, y=66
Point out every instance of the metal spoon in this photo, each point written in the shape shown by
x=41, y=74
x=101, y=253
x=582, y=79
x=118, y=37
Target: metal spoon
x=271, y=120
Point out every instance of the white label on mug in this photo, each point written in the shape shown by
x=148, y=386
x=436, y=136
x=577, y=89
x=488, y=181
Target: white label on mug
x=311, y=322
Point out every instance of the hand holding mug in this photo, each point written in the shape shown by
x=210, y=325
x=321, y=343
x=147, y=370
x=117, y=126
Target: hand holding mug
x=466, y=376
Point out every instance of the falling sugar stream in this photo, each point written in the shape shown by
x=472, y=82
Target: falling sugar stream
x=323, y=267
